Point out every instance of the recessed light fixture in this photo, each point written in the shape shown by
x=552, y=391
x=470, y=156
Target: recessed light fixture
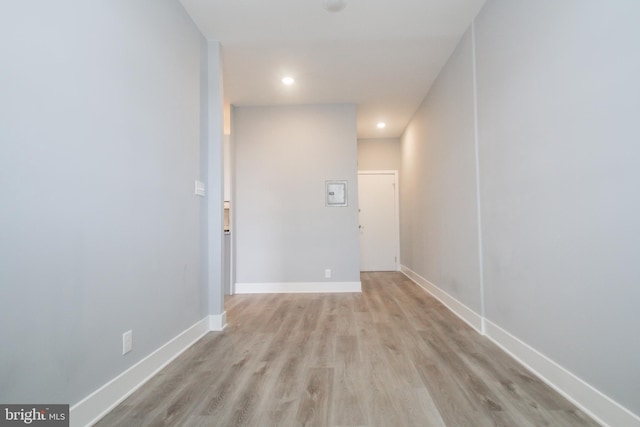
x=381, y=125
x=334, y=5
x=288, y=80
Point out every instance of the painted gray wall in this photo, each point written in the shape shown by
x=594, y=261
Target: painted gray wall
x=284, y=232
x=100, y=230
x=379, y=154
x=439, y=227
x=558, y=103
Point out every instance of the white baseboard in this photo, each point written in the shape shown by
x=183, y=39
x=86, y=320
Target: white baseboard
x=597, y=405
x=459, y=309
x=217, y=322
x=298, y=287
x=95, y=406
x=593, y=402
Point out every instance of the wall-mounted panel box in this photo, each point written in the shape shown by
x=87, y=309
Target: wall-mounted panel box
x=336, y=193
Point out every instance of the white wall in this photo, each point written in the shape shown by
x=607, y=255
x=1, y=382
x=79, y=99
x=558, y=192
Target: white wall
x=101, y=232
x=214, y=167
x=227, y=167
x=283, y=231
x=439, y=227
x=557, y=104
x=379, y=154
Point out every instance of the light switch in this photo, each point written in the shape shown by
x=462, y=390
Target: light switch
x=199, y=188
x=127, y=342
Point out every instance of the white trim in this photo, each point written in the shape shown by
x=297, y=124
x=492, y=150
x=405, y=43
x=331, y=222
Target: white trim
x=459, y=309
x=217, y=322
x=476, y=144
x=95, y=406
x=396, y=179
x=377, y=172
x=297, y=287
x=593, y=402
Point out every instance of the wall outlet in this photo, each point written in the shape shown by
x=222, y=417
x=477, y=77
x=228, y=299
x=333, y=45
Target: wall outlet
x=327, y=273
x=127, y=342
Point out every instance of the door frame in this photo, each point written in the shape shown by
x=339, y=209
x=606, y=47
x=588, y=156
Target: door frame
x=396, y=208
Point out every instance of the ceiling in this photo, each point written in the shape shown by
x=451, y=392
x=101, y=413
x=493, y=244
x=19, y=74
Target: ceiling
x=382, y=55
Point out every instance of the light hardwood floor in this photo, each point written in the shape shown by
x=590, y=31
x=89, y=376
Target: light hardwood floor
x=391, y=356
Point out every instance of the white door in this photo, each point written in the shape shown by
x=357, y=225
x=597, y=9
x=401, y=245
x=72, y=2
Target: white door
x=378, y=221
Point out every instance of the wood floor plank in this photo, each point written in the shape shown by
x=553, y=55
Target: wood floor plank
x=245, y=408
x=183, y=403
x=312, y=313
x=315, y=404
x=323, y=353
x=348, y=405
x=366, y=331
x=291, y=376
x=389, y=356
x=431, y=417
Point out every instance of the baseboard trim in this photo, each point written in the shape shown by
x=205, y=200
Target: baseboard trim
x=597, y=405
x=95, y=406
x=594, y=403
x=217, y=322
x=297, y=287
x=459, y=309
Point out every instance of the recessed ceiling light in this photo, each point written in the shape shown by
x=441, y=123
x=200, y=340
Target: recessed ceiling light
x=334, y=5
x=381, y=125
x=288, y=81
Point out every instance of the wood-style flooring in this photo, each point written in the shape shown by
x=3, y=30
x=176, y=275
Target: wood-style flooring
x=391, y=356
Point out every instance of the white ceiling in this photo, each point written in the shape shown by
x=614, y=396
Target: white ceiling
x=382, y=55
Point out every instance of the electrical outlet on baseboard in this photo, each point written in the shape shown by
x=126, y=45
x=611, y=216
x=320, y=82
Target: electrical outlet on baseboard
x=127, y=342
x=327, y=273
